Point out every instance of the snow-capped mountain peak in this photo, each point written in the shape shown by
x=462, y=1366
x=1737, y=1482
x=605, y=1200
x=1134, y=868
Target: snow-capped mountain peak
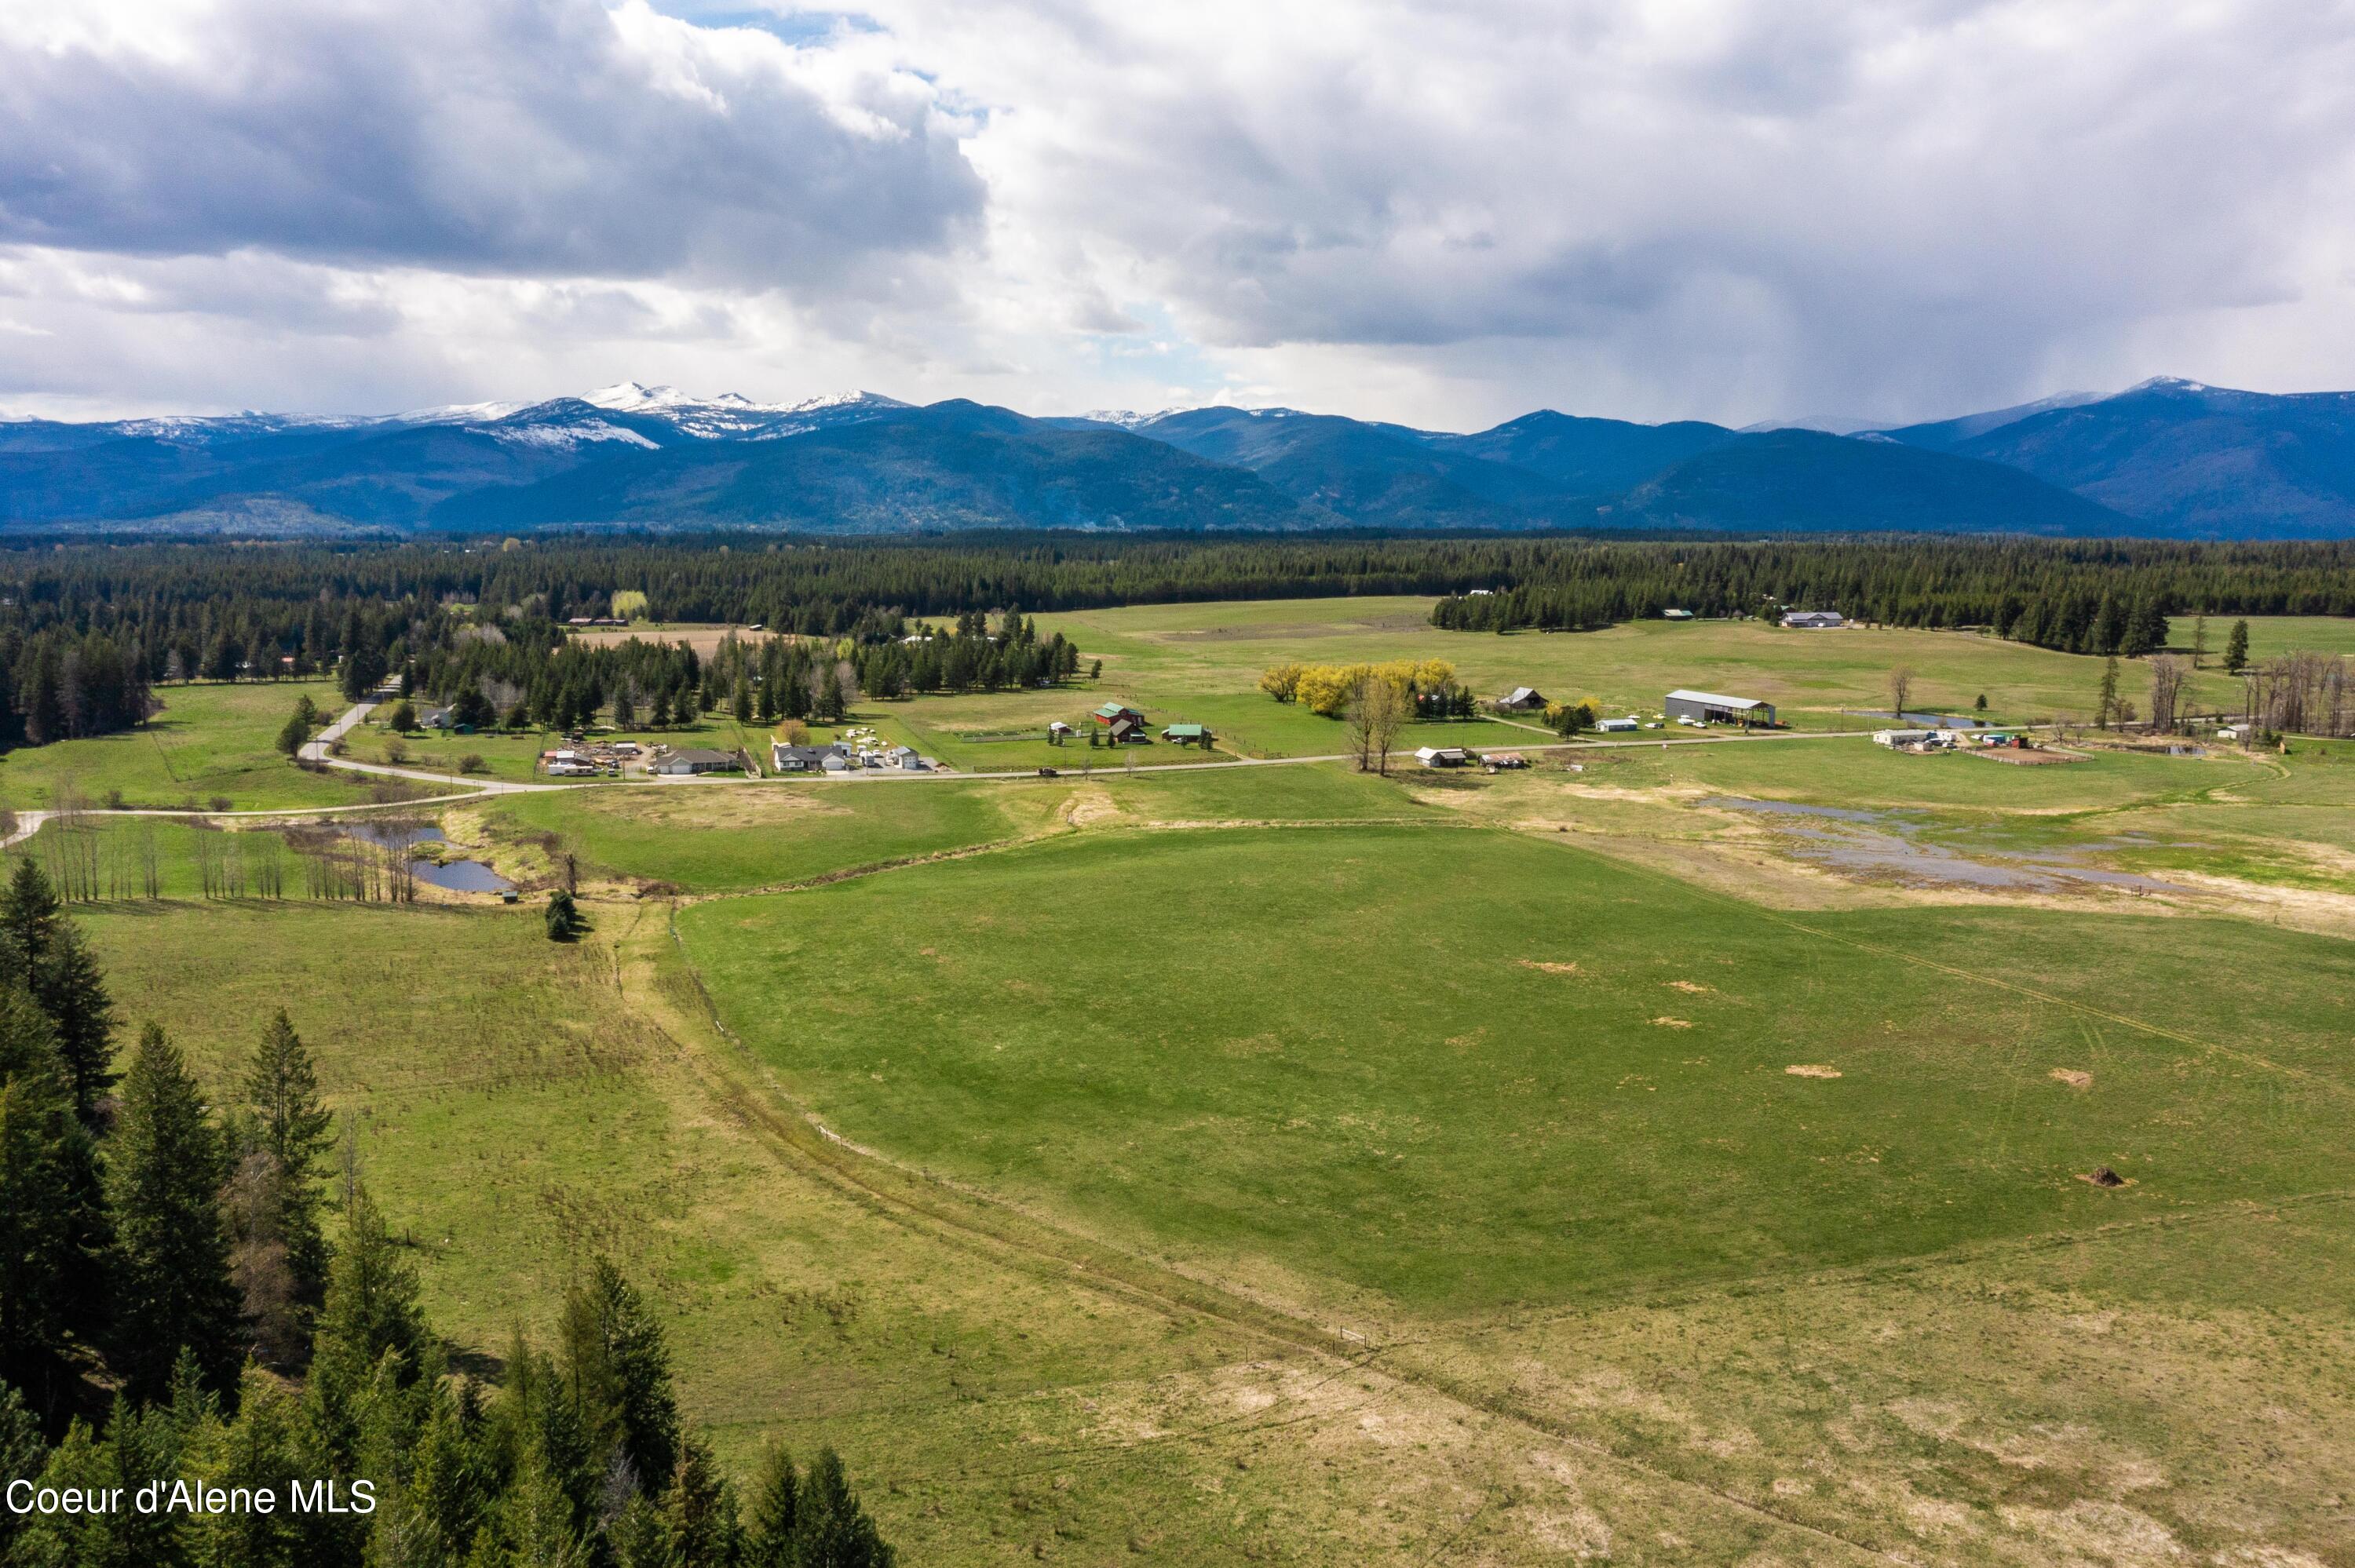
x=1127, y=419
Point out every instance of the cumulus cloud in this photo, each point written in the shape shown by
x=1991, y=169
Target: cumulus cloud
x=1447, y=211
x=491, y=136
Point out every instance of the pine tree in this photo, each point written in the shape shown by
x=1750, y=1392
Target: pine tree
x=172, y=1284
x=293, y=1133
x=2108, y=703
x=40, y=1258
x=295, y=735
x=776, y=1501
x=617, y=1373
x=371, y=1308
x=22, y=1453
x=2236, y=649
x=698, y=1513
x=565, y=921
x=830, y=1528
x=44, y=951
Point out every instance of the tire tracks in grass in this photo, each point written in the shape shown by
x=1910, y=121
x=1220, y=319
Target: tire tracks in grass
x=986, y=1226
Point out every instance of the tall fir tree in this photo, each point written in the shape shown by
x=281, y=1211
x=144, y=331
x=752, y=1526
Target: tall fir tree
x=776, y=1501
x=45, y=952
x=617, y=1372
x=2236, y=649
x=172, y=1289
x=42, y=1177
x=294, y=1131
x=830, y=1528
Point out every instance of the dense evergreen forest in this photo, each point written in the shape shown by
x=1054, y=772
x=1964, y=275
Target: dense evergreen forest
x=86, y=631
x=174, y=1314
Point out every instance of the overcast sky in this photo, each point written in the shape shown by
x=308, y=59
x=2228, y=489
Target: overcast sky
x=1446, y=213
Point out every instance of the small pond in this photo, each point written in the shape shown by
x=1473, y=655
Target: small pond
x=457, y=875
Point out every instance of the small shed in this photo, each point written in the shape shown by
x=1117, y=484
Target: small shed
x=1619, y=726
x=1709, y=707
x=1442, y=756
x=1522, y=699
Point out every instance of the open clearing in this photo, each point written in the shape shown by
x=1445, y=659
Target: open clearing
x=1286, y=1165
x=208, y=742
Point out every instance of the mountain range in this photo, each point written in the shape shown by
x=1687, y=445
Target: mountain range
x=2167, y=457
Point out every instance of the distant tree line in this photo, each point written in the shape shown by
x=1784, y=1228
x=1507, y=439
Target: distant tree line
x=172, y=1310
x=86, y=631
x=2087, y=597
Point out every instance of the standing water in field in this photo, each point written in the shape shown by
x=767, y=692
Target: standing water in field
x=1890, y=843
x=454, y=875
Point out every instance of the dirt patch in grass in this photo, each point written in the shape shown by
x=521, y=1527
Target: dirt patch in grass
x=2103, y=1176
x=2072, y=1078
x=1091, y=806
x=2023, y=758
x=1812, y=1070
x=1549, y=969
x=1693, y=988
x=1665, y=1021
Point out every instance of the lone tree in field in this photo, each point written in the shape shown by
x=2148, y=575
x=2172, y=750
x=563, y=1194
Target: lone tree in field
x=295, y=735
x=2198, y=640
x=1376, y=709
x=2166, y=676
x=404, y=715
x=1900, y=691
x=2107, y=709
x=565, y=921
x=2236, y=649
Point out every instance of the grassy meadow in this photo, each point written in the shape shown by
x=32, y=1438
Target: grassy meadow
x=1466, y=1070
x=1208, y=659
x=1285, y=1165
x=207, y=744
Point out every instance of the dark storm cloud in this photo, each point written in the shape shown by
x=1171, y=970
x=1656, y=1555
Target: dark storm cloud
x=512, y=137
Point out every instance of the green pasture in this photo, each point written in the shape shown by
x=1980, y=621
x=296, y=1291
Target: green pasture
x=515, y=1113
x=1185, y=654
x=1857, y=773
x=208, y=743
x=1336, y=1054
x=727, y=837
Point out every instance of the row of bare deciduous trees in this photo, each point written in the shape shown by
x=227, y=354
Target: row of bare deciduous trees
x=90, y=858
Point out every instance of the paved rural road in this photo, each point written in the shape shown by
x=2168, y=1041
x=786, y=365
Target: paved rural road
x=29, y=822
x=317, y=751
